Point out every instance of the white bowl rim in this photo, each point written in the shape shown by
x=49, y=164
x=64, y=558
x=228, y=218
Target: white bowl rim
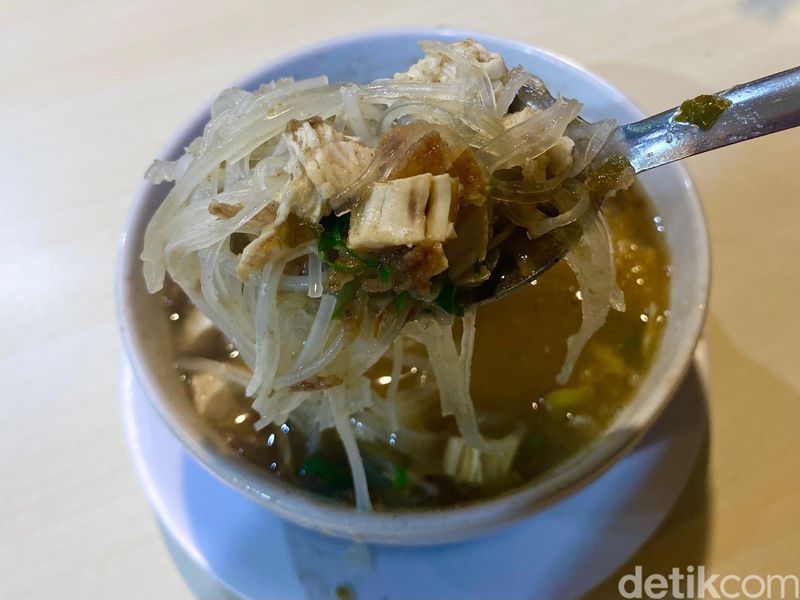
x=403, y=527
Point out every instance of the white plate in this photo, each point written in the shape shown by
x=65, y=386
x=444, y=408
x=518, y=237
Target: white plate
x=557, y=554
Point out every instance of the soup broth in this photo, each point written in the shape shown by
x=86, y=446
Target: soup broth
x=519, y=349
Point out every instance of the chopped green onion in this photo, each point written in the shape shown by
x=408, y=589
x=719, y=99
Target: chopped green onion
x=385, y=272
x=335, y=228
x=333, y=474
x=400, y=301
x=400, y=478
x=349, y=263
x=570, y=398
x=345, y=297
x=334, y=232
x=448, y=300
x=535, y=441
x=333, y=250
x=607, y=176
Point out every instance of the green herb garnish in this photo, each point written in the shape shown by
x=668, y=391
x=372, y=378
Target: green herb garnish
x=608, y=176
x=349, y=262
x=334, y=232
x=400, y=301
x=535, y=441
x=400, y=478
x=702, y=111
x=570, y=398
x=345, y=297
x=448, y=299
x=333, y=250
x=332, y=474
x=385, y=272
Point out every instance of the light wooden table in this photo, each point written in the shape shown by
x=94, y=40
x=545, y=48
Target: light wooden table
x=91, y=90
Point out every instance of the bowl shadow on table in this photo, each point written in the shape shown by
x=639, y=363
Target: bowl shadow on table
x=680, y=540
x=683, y=537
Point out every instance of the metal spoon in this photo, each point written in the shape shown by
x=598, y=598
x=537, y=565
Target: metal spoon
x=757, y=108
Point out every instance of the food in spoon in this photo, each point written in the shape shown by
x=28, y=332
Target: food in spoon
x=319, y=251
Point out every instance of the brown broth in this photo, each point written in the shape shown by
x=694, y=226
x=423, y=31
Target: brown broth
x=520, y=346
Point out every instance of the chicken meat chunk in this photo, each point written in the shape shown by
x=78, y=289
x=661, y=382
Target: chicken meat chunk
x=437, y=67
x=404, y=211
x=330, y=159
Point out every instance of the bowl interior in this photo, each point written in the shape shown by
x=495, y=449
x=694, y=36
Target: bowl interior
x=363, y=58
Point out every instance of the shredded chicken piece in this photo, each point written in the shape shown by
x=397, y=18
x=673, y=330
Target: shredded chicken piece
x=259, y=252
x=316, y=383
x=224, y=210
x=263, y=218
x=323, y=162
x=551, y=162
x=437, y=68
x=213, y=397
x=509, y=120
x=404, y=212
x=438, y=223
x=330, y=159
x=197, y=334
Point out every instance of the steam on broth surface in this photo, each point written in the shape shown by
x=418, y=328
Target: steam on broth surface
x=320, y=251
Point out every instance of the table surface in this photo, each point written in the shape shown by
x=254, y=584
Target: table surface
x=91, y=91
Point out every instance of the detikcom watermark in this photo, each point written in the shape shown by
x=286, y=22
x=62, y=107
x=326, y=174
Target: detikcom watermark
x=693, y=582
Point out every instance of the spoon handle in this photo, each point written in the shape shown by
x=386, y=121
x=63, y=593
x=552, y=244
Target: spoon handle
x=757, y=108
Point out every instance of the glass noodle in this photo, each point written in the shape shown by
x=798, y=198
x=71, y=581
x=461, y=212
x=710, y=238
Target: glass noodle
x=240, y=182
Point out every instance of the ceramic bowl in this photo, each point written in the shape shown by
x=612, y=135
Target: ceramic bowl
x=363, y=58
